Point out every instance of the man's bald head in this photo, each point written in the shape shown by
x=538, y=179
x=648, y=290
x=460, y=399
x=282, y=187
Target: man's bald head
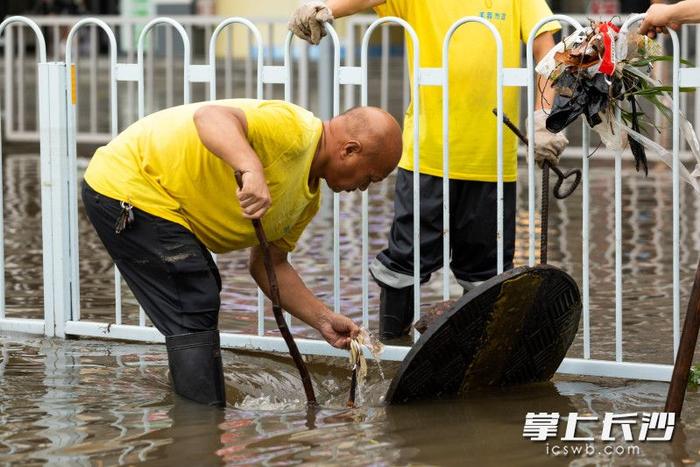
x=364, y=146
x=380, y=132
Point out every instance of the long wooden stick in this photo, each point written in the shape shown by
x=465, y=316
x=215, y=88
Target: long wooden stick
x=277, y=307
x=686, y=349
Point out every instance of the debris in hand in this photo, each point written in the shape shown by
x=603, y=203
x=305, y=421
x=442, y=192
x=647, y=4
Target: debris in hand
x=601, y=72
x=358, y=362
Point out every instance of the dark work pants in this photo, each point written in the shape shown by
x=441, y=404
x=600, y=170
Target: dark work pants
x=169, y=271
x=472, y=231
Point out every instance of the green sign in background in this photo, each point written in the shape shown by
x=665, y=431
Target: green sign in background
x=135, y=9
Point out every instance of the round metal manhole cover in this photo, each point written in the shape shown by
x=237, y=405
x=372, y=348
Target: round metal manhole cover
x=513, y=329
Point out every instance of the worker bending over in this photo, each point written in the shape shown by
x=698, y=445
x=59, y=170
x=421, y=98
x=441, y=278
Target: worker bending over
x=162, y=195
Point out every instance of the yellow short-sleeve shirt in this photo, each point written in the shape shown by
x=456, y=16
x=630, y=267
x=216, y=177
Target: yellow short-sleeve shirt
x=472, y=81
x=160, y=165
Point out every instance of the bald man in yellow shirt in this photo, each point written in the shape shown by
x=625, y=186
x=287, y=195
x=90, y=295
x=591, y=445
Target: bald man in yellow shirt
x=472, y=169
x=162, y=194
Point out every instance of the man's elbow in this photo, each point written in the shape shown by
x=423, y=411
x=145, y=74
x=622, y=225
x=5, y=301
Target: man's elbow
x=252, y=269
x=253, y=262
x=256, y=263
x=201, y=115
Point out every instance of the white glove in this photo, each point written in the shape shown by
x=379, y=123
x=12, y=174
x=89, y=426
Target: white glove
x=548, y=145
x=308, y=21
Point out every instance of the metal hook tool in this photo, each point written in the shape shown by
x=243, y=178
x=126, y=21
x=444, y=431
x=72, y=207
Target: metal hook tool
x=546, y=165
x=561, y=176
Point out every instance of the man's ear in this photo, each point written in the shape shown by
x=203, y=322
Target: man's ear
x=351, y=148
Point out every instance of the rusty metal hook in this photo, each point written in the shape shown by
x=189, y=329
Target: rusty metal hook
x=561, y=176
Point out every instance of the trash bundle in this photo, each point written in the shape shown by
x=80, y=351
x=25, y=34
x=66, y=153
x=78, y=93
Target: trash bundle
x=599, y=72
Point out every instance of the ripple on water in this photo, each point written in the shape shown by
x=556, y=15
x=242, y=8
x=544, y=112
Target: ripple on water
x=74, y=402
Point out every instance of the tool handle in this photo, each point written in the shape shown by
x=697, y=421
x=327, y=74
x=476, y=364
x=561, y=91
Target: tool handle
x=277, y=307
x=507, y=121
x=544, y=213
x=353, y=388
x=686, y=349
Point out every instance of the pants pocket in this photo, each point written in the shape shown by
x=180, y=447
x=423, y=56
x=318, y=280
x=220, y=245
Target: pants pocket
x=193, y=271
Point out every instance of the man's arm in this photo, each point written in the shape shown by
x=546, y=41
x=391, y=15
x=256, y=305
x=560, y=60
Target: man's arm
x=224, y=132
x=341, y=8
x=548, y=146
x=307, y=21
x=660, y=16
x=544, y=95
x=296, y=298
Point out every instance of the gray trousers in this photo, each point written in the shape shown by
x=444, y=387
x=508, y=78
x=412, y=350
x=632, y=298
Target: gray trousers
x=473, y=244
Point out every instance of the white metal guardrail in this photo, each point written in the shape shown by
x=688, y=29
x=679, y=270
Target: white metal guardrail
x=57, y=103
x=20, y=126
x=46, y=325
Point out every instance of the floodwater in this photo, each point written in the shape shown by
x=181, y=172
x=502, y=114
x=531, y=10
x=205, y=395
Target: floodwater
x=104, y=403
x=95, y=402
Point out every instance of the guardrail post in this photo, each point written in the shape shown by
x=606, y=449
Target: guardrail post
x=54, y=191
x=47, y=210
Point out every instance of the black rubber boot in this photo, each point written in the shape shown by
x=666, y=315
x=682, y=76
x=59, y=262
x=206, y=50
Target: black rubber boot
x=395, y=312
x=195, y=367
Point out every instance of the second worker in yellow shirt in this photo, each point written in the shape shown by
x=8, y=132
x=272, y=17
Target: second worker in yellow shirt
x=472, y=157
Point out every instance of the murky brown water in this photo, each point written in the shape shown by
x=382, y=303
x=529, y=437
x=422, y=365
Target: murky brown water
x=90, y=402
x=104, y=403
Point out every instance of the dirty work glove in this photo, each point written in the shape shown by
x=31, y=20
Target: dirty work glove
x=308, y=21
x=548, y=145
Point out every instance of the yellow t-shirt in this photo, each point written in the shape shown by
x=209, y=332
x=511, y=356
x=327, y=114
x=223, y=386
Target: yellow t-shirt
x=160, y=165
x=472, y=81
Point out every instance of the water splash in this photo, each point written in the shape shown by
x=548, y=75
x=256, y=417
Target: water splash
x=358, y=363
x=267, y=403
x=375, y=347
x=330, y=385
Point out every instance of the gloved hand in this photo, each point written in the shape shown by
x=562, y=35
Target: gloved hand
x=548, y=146
x=308, y=21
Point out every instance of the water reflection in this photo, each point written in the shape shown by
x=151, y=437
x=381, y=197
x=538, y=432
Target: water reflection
x=194, y=436
x=89, y=402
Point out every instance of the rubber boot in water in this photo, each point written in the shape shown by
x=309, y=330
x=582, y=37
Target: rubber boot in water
x=195, y=367
x=395, y=312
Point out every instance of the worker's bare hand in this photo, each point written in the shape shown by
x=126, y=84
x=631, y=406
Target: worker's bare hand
x=658, y=18
x=254, y=196
x=338, y=330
